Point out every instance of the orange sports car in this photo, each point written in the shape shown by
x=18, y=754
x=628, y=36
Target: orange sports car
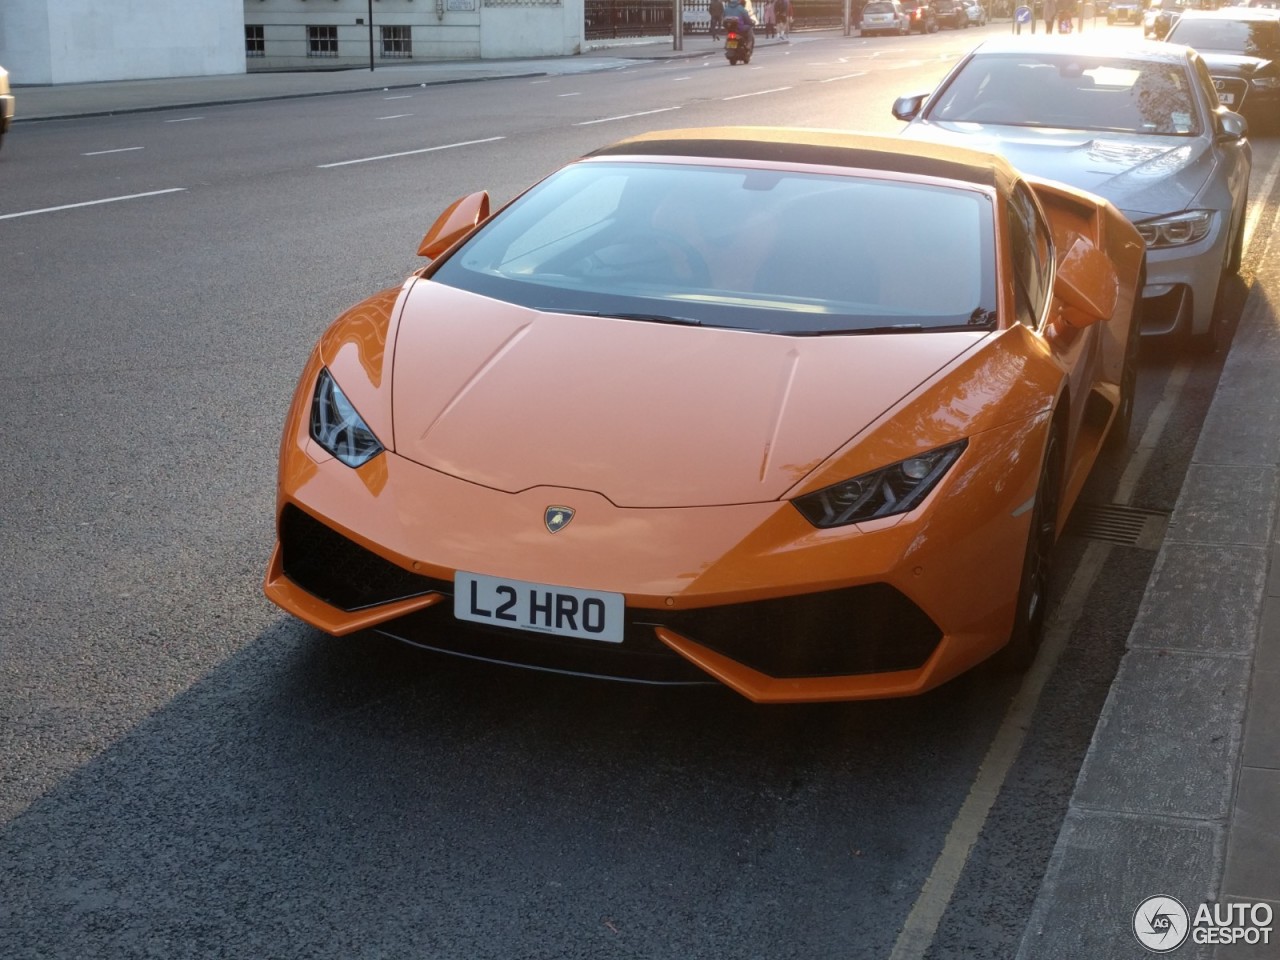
x=801, y=412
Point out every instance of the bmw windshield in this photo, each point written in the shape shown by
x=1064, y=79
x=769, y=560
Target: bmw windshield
x=1118, y=95
x=800, y=253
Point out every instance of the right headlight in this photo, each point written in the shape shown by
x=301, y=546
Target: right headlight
x=337, y=427
x=890, y=490
x=1176, y=230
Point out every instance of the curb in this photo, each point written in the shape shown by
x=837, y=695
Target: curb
x=1152, y=808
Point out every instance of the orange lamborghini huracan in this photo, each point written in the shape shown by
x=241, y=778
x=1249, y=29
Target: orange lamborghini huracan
x=800, y=412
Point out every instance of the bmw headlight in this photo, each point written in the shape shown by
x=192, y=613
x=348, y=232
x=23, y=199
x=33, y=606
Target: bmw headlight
x=337, y=427
x=890, y=490
x=1176, y=230
x=1265, y=82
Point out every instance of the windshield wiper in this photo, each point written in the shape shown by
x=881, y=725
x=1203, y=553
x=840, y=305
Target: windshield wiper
x=642, y=317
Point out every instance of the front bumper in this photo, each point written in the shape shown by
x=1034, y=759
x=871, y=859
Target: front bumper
x=1182, y=284
x=750, y=595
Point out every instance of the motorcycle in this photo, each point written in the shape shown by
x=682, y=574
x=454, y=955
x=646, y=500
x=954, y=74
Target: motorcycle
x=739, y=44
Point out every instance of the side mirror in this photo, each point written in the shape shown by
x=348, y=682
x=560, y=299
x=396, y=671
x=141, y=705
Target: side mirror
x=1232, y=126
x=458, y=220
x=908, y=108
x=1087, y=285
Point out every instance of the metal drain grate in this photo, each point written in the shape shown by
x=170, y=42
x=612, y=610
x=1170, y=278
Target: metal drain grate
x=1116, y=523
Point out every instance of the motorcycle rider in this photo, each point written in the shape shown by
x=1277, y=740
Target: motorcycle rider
x=746, y=17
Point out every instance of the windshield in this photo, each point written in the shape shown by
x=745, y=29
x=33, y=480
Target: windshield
x=878, y=8
x=1072, y=92
x=1254, y=38
x=762, y=250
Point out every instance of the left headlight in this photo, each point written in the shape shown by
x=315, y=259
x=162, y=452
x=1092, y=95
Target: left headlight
x=1176, y=230
x=890, y=490
x=337, y=427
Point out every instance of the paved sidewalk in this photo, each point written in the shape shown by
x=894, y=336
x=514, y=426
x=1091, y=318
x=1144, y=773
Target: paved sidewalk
x=1179, y=793
x=60, y=101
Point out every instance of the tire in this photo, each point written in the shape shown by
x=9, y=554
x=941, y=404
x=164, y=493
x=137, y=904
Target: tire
x=1033, y=585
x=1123, y=422
x=1237, y=244
x=1215, y=338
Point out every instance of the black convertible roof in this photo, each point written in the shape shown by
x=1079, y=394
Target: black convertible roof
x=824, y=147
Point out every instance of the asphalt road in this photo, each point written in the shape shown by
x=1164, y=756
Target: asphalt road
x=186, y=772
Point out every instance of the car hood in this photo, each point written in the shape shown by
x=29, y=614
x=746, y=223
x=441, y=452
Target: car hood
x=1234, y=64
x=645, y=414
x=1143, y=176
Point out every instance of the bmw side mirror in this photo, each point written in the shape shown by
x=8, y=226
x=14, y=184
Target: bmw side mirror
x=908, y=108
x=459, y=219
x=1232, y=126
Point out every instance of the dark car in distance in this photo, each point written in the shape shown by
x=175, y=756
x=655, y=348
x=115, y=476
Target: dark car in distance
x=921, y=16
x=950, y=14
x=1241, y=48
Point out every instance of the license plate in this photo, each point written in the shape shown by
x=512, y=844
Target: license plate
x=731, y=44
x=540, y=607
x=1226, y=98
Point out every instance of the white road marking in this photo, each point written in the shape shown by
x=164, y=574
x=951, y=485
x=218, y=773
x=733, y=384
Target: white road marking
x=90, y=203
x=99, y=153
x=922, y=923
x=758, y=93
x=407, y=153
x=625, y=116
x=183, y=119
x=574, y=94
x=847, y=76
x=403, y=96
x=396, y=116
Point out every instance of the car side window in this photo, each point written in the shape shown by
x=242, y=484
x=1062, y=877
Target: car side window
x=1032, y=248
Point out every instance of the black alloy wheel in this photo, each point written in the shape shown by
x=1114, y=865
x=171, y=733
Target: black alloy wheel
x=1042, y=536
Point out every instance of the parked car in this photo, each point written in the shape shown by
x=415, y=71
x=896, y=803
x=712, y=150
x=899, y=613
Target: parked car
x=1241, y=47
x=6, y=104
x=921, y=16
x=684, y=411
x=976, y=13
x=950, y=13
x=1124, y=11
x=1137, y=123
x=1160, y=16
x=884, y=17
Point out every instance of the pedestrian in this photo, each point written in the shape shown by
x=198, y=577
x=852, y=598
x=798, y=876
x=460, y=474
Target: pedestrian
x=770, y=19
x=782, y=15
x=716, y=9
x=1050, y=15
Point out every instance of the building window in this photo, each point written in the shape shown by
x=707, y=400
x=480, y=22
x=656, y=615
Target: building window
x=397, y=42
x=254, y=44
x=322, y=41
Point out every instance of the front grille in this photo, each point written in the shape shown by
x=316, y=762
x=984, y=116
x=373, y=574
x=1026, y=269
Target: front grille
x=869, y=629
x=1234, y=86
x=341, y=573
